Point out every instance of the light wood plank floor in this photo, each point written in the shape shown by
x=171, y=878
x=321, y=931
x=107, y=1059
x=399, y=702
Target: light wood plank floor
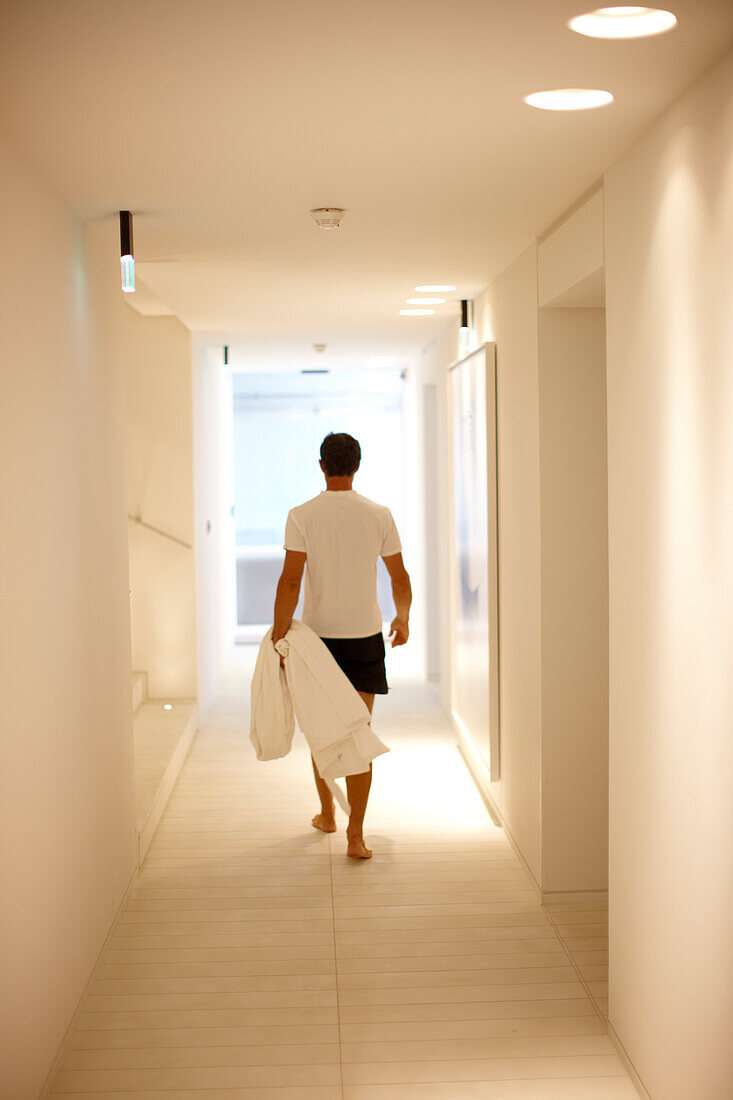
x=254, y=960
x=582, y=925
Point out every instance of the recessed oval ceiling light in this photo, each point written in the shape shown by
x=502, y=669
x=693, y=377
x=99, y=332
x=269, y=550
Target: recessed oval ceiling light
x=623, y=22
x=426, y=301
x=416, y=312
x=569, y=99
x=437, y=289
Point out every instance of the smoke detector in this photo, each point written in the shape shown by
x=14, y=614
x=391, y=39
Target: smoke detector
x=327, y=217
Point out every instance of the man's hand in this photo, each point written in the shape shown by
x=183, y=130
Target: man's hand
x=282, y=659
x=402, y=594
x=288, y=591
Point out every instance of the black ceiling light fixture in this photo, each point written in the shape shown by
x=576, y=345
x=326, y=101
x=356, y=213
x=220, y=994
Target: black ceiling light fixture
x=464, y=335
x=127, y=258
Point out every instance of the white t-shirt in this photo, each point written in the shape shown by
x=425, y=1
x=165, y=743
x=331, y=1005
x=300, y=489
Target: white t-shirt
x=342, y=534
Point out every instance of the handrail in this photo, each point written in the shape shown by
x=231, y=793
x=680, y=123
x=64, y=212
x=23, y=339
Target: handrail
x=157, y=530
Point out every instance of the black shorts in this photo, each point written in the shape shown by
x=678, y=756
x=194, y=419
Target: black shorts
x=362, y=661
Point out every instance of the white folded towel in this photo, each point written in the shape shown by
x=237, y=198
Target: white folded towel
x=332, y=715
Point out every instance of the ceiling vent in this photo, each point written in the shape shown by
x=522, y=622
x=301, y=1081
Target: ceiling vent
x=327, y=217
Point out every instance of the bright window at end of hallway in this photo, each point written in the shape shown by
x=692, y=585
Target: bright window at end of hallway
x=280, y=420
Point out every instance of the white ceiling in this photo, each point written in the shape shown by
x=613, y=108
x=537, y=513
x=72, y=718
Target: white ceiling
x=221, y=123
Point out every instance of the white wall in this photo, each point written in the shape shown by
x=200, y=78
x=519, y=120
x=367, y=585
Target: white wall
x=574, y=611
x=160, y=492
x=571, y=259
x=67, y=801
x=412, y=660
x=213, y=527
x=553, y=593
x=507, y=313
x=432, y=369
x=669, y=248
x=431, y=537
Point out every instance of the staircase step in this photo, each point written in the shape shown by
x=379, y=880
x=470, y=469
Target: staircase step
x=162, y=740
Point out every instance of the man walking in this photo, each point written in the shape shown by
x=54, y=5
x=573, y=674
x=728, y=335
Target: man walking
x=337, y=538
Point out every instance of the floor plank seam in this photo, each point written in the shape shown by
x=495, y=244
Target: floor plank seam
x=336, y=966
x=576, y=968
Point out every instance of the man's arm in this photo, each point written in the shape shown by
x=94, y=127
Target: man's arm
x=402, y=594
x=288, y=591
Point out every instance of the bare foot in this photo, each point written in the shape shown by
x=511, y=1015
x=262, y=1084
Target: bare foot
x=357, y=849
x=324, y=823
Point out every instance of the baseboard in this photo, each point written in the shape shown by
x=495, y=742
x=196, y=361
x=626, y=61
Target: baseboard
x=575, y=895
x=63, y=1050
x=628, y=1064
x=477, y=771
x=619, y=1046
x=146, y=832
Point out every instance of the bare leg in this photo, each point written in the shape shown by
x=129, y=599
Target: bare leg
x=357, y=789
x=326, y=819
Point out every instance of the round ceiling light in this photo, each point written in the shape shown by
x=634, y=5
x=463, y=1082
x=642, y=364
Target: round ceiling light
x=623, y=22
x=569, y=99
x=426, y=301
x=437, y=289
x=416, y=312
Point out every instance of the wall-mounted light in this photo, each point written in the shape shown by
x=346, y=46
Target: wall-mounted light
x=127, y=258
x=464, y=335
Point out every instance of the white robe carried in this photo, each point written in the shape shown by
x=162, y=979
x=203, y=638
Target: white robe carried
x=332, y=715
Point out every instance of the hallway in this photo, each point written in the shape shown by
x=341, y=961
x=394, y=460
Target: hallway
x=254, y=961
x=514, y=225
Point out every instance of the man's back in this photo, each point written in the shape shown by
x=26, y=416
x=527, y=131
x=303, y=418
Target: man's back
x=337, y=538
x=342, y=535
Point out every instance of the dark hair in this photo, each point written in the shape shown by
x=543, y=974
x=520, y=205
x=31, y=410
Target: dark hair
x=340, y=455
